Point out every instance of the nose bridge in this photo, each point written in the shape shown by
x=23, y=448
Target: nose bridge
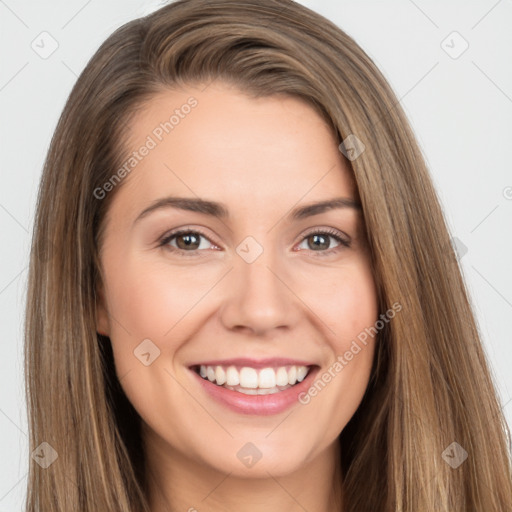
x=258, y=298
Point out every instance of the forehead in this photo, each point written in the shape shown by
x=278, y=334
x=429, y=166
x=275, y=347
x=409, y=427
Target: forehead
x=222, y=144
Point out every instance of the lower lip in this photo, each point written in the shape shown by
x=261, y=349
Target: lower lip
x=263, y=405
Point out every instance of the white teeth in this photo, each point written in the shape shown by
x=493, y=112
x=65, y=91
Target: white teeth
x=292, y=375
x=254, y=382
x=282, y=377
x=248, y=378
x=302, y=371
x=266, y=379
x=220, y=375
x=248, y=391
x=232, y=377
x=254, y=391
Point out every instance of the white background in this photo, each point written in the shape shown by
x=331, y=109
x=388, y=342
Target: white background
x=460, y=109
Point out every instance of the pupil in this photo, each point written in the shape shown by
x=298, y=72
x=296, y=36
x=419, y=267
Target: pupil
x=187, y=241
x=316, y=238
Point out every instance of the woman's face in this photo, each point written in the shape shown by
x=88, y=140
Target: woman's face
x=259, y=288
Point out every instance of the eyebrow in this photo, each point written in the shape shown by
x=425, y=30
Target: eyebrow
x=220, y=211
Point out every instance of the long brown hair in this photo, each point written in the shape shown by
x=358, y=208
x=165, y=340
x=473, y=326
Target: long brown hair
x=430, y=385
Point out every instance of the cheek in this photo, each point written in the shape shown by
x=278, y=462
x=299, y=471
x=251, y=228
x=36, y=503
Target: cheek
x=347, y=305
x=150, y=317
x=359, y=309
x=350, y=310
x=149, y=299
x=354, y=345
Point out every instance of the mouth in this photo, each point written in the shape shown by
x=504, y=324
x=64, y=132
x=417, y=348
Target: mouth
x=253, y=381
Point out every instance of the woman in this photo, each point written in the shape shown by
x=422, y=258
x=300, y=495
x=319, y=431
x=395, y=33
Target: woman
x=242, y=289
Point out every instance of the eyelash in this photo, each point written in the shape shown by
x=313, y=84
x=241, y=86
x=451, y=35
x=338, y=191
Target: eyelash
x=195, y=253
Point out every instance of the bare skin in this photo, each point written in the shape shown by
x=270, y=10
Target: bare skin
x=303, y=297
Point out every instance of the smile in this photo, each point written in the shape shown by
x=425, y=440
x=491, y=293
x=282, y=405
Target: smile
x=252, y=381
x=247, y=386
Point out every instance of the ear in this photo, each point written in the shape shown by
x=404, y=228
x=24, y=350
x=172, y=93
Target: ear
x=102, y=317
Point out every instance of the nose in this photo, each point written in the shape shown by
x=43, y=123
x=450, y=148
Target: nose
x=260, y=297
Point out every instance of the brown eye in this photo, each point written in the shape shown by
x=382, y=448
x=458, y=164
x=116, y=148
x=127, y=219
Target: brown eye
x=320, y=242
x=186, y=241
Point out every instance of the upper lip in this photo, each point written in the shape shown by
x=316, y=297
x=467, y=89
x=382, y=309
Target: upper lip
x=254, y=363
